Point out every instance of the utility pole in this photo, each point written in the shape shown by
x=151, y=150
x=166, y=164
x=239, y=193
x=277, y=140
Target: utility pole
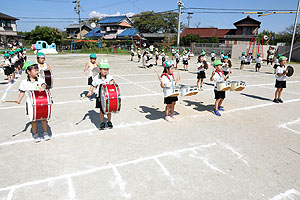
x=180, y=4
x=77, y=10
x=294, y=32
x=189, y=17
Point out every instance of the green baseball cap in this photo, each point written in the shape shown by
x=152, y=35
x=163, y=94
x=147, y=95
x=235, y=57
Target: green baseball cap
x=217, y=62
x=27, y=64
x=282, y=58
x=213, y=51
x=40, y=54
x=162, y=50
x=222, y=51
x=11, y=53
x=104, y=64
x=279, y=55
x=243, y=53
x=177, y=50
x=185, y=52
x=6, y=55
x=167, y=64
x=258, y=54
x=24, y=48
x=203, y=53
x=93, y=55
x=225, y=57
x=172, y=47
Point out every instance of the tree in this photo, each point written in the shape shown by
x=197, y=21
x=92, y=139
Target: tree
x=151, y=22
x=48, y=34
x=193, y=38
x=197, y=25
x=287, y=34
x=269, y=34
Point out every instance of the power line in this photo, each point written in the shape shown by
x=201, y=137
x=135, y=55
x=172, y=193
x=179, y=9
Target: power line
x=236, y=9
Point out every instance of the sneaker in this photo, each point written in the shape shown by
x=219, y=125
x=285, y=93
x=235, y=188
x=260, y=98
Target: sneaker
x=216, y=112
x=46, y=136
x=36, y=138
x=221, y=108
x=173, y=117
x=168, y=119
x=102, y=126
x=280, y=100
x=110, y=125
x=275, y=101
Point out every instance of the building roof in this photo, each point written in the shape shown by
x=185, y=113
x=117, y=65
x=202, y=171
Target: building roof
x=7, y=17
x=77, y=26
x=158, y=35
x=94, y=33
x=247, y=21
x=112, y=19
x=130, y=32
x=208, y=32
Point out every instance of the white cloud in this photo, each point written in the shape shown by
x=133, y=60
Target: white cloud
x=101, y=15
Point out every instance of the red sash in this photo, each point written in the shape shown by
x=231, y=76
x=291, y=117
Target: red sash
x=165, y=74
x=220, y=74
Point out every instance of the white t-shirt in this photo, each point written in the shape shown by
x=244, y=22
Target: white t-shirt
x=28, y=85
x=185, y=57
x=132, y=51
x=177, y=56
x=280, y=70
x=213, y=55
x=97, y=80
x=163, y=54
x=14, y=59
x=218, y=77
x=243, y=58
x=225, y=67
x=222, y=56
x=199, y=64
x=91, y=68
x=276, y=61
x=42, y=69
x=168, y=80
x=258, y=60
x=6, y=62
x=173, y=51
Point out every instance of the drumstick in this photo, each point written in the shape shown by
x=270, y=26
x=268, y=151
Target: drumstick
x=81, y=98
x=8, y=101
x=157, y=74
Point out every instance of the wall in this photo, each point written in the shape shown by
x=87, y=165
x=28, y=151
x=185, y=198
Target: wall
x=285, y=50
x=239, y=48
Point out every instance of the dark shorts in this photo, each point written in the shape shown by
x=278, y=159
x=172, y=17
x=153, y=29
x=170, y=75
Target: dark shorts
x=25, y=58
x=90, y=80
x=201, y=74
x=258, y=65
x=132, y=54
x=139, y=56
x=213, y=59
x=243, y=62
x=163, y=59
x=185, y=62
x=98, y=104
x=177, y=60
x=225, y=73
x=280, y=84
x=219, y=94
x=170, y=100
x=7, y=71
x=13, y=68
x=173, y=54
x=156, y=57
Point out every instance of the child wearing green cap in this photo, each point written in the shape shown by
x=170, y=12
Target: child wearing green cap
x=33, y=82
x=156, y=56
x=222, y=55
x=259, y=62
x=163, y=56
x=243, y=60
x=102, y=78
x=90, y=66
x=131, y=54
x=40, y=57
x=173, y=50
x=218, y=76
x=177, y=57
x=7, y=67
x=139, y=53
x=146, y=59
x=201, y=71
x=280, y=76
x=226, y=67
x=213, y=56
x=276, y=62
x=185, y=61
x=167, y=79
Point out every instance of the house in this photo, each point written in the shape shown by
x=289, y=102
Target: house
x=73, y=30
x=245, y=30
x=153, y=38
x=8, y=29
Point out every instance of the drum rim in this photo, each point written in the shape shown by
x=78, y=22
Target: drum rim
x=290, y=68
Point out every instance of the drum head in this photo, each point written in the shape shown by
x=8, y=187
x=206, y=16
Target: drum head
x=102, y=97
x=290, y=70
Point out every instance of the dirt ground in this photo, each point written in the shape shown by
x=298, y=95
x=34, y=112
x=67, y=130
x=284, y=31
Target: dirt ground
x=251, y=152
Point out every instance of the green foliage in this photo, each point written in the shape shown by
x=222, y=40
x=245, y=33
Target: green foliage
x=48, y=34
x=151, y=22
x=191, y=38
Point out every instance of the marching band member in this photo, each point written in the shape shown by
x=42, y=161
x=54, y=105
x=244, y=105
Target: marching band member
x=270, y=55
x=146, y=59
x=243, y=60
x=90, y=66
x=131, y=54
x=41, y=64
x=222, y=56
x=200, y=71
x=139, y=52
x=7, y=67
x=258, y=61
x=163, y=56
x=156, y=56
x=280, y=76
x=226, y=67
x=213, y=56
x=33, y=82
x=102, y=78
x=218, y=76
x=185, y=60
x=167, y=79
x=276, y=62
x=173, y=53
x=249, y=59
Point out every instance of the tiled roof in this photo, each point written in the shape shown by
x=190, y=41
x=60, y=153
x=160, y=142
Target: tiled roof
x=129, y=32
x=112, y=19
x=7, y=17
x=94, y=33
x=247, y=20
x=77, y=26
x=207, y=32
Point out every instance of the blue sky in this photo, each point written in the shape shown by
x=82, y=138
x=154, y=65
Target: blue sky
x=64, y=9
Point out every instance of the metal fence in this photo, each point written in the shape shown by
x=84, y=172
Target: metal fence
x=209, y=47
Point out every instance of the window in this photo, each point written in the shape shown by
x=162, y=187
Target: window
x=6, y=23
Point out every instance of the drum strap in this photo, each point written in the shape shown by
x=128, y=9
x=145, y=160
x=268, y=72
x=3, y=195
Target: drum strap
x=219, y=73
x=165, y=74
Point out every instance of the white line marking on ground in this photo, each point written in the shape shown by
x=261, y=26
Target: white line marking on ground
x=239, y=156
x=10, y=194
x=285, y=91
x=289, y=194
x=119, y=181
x=205, y=161
x=111, y=166
x=5, y=92
x=72, y=194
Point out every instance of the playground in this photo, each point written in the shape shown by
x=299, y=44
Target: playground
x=251, y=152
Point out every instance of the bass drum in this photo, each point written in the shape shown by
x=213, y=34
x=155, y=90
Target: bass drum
x=110, y=98
x=39, y=105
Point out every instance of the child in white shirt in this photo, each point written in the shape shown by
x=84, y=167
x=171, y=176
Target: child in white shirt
x=280, y=76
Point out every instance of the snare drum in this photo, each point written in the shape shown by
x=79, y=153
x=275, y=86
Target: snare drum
x=237, y=85
x=48, y=79
x=39, y=105
x=110, y=98
x=171, y=91
x=188, y=90
x=223, y=85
